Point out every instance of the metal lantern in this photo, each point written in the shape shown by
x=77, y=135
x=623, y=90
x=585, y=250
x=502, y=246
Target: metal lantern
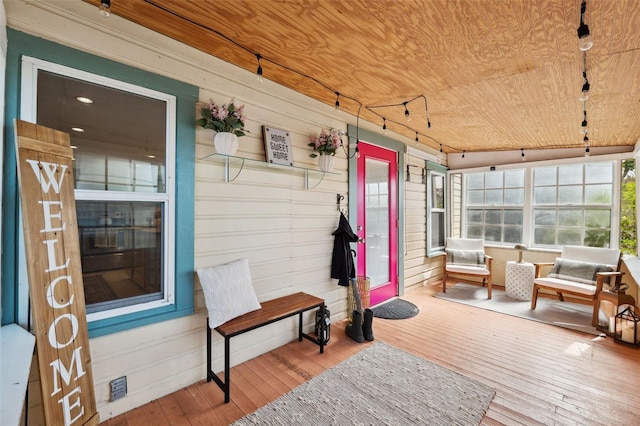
x=626, y=327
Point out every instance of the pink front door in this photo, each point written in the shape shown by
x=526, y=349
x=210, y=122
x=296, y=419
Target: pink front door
x=377, y=254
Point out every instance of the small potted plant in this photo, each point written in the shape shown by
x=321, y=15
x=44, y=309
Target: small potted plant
x=324, y=147
x=227, y=121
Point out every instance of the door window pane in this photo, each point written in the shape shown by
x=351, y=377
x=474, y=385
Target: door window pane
x=377, y=225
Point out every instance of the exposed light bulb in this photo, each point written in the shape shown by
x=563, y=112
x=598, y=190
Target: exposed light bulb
x=417, y=137
x=584, y=93
x=259, y=70
x=522, y=156
x=105, y=8
x=586, y=152
x=584, y=35
x=337, y=105
x=583, y=127
x=384, y=126
x=441, y=148
x=406, y=112
x=586, y=140
x=463, y=153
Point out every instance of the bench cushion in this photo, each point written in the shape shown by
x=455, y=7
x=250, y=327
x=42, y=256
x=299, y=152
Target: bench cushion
x=228, y=292
x=574, y=270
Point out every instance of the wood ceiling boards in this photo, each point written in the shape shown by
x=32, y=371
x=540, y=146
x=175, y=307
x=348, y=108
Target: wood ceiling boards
x=497, y=74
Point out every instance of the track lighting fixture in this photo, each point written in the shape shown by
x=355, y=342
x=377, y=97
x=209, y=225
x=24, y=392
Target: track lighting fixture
x=337, y=105
x=384, y=126
x=583, y=128
x=406, y=111
x=259, y=70
x=105, y=8
x=522, y=156
x=584, y=35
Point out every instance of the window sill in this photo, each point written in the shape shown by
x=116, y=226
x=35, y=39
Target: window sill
x=16, y=352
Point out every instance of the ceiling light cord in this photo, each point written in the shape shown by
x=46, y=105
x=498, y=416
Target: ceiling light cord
x=295, y=71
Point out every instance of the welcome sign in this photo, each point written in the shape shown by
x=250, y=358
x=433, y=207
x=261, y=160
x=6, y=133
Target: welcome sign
x=55, y=274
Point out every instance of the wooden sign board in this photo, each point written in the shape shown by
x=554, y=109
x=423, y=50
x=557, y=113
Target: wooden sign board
x=277, y=146
x=55, y=274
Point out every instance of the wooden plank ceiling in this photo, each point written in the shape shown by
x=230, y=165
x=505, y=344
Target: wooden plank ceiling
x=497, y=74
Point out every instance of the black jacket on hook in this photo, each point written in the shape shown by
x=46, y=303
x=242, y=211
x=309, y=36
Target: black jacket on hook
x=342, y=266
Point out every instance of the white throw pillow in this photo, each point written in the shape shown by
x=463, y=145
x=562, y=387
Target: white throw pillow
x=228, y=292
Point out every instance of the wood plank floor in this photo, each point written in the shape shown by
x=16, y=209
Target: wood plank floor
x=543, y=375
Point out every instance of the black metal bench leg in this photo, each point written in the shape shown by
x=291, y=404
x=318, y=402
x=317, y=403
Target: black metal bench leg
x=227, y=371
x=208, y=352
x=300, y=327
x=323, y=327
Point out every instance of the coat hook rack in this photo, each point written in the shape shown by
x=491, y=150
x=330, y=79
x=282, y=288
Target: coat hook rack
x=339, y=198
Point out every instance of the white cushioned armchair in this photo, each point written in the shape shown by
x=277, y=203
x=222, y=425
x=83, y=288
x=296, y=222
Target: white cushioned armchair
x=579, y=271
x=466, y=257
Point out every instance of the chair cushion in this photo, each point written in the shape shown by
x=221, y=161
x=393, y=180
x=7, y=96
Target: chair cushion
x=467, y=269
x=465, y=257
x=574, y=270
x=228, y=292
x=558, y=284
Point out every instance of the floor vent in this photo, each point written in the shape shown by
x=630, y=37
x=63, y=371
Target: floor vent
x=118, y=388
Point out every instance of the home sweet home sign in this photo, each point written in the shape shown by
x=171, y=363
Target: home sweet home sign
x=55, y=274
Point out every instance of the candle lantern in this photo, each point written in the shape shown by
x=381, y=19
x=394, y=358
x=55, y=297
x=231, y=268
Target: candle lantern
x=626, y=327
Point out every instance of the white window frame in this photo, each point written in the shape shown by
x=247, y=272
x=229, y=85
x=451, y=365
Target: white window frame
x=28, y=108
x=527, y=236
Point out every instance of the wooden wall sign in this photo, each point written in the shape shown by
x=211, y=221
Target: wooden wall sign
x=277, y=146
x=55, y=274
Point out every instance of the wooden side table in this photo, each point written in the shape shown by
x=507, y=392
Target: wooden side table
x=519, y=280
x=607, y=319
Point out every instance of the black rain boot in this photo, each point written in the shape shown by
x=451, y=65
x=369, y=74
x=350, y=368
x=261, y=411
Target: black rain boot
x=367, y=325
x=354, y=330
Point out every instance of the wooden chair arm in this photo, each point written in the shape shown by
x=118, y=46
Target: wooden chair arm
x=539, y=267
x=601, y=276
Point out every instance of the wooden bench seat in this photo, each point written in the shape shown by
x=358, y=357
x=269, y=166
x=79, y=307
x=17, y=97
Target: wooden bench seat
x=270, y=312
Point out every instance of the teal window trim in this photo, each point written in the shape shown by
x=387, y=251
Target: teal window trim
x=21, y=44
x=441, y=170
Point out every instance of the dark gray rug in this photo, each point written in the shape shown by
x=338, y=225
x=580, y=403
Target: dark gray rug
x=396, y=309
x=380, y=385
x=569, y=315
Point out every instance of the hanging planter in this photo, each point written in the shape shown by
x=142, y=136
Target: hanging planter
x=227, y=121
x=325, y=146
x=325, y=162
x=225, y=143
